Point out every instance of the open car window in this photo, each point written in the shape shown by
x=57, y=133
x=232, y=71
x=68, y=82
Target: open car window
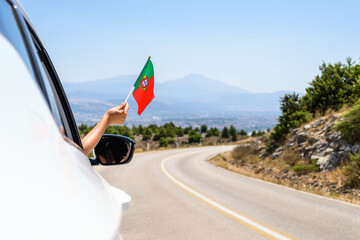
x=51, y=85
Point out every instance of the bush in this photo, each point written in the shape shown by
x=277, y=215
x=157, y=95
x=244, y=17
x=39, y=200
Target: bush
x=336, y=85
x=350, y=126
x=242, y=132
x=225, y=133
x=171, y=141
x=302, y=169
x=352, y=171
x=233, y=133
x=194, y=137
x=293, y=115
x=163, y=142
x=290, y=158
x=147, y=134
x=213, y=132
x=244, y=153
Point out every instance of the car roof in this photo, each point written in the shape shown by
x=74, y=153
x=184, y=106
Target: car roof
x=17, y=3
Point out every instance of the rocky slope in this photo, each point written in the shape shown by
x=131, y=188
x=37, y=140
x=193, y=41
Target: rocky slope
x=315, y=142
x=318, y=141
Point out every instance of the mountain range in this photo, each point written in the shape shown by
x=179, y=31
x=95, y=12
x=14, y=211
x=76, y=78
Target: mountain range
x=191, y=97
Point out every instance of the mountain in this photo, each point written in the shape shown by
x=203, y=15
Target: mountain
x=191, y=97
x=105, y=89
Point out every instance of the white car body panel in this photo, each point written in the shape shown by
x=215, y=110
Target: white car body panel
x=48, y=188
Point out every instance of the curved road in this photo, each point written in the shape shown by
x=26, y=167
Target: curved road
x=177, y=194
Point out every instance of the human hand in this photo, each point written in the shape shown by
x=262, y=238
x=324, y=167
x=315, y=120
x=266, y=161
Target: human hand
x=117, y=115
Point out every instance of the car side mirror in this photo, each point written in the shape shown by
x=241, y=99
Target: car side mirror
x=113, y=150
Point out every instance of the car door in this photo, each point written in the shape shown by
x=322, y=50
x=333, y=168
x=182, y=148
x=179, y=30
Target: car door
x=49, y=188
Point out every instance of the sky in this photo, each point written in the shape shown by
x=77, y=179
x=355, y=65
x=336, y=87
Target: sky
x=259, y=45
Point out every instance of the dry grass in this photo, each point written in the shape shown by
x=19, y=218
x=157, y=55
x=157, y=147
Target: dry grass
x=336, y=176
x=243, y=154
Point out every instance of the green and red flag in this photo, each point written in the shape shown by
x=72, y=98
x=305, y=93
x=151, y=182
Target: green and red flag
x=144, y=87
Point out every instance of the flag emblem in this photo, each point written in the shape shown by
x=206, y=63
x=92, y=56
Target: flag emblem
x=144, y=83
x=144, y=87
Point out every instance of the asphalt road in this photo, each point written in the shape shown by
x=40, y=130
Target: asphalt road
x=177, y=194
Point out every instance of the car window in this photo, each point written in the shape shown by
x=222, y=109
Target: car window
x=54, y=101
x=55, y=93
x=9, y=28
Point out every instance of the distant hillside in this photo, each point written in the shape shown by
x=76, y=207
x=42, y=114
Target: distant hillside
x=193, y=96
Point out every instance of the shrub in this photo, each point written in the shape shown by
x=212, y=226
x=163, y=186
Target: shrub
x=244, y=153
x=204, y=128
x=233, y=133
x=171, y=141
x=290, y=158
x=293, y=115
x=147, y=134
x=194, y=137
x=350, y=126
x=336, y=85
x=352, y=171
x=213, y=132
x=225, y=133
x=242, y=132
x=302, y=169
x=163, y=142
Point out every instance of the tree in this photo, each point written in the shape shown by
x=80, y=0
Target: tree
x=163, y=142
x=194, y=137
x=204, y=128
x=225, y=133
x=135, y=130
x=214, y=132
x=187, y=130
x=336, y=85
x=84, y=129
x=242, y=132
x=233, y=133
x=147, y=134
x=179, y=132
x=140, y=129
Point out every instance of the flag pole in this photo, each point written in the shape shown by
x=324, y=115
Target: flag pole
x=132, y=89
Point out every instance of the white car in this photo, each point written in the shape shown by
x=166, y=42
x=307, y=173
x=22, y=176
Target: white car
x=48, y=187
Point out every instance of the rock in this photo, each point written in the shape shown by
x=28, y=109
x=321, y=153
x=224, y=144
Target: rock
x=301, y=137
x=320, y=133
x=295, y=130
x=280, y=149
x=333, y=118
x=291, y=144
x=313, y=140
x=307, y=127
x=355, y=148
x=343, y=144
x=276, y=155
x=333, y=145
x=334, y=137
x=321, y=144
x=327, y=151
x=329, y=162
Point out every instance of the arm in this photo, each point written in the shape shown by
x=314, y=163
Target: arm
x=115, y=116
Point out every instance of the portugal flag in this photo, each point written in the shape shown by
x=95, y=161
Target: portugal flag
x=144, y=87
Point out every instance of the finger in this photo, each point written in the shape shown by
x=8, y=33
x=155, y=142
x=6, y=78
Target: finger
x=122, y=105
x=126, y=108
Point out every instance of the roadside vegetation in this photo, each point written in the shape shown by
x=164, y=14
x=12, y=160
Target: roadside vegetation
x=171, y=136
x=324, y=122
x=337, y=85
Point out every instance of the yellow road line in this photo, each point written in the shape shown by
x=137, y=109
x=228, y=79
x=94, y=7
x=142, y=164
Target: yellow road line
x=251, y=223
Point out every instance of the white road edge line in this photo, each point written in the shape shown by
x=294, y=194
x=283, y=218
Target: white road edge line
x=221, y=207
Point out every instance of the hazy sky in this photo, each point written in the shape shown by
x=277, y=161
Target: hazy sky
x=259, y=45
